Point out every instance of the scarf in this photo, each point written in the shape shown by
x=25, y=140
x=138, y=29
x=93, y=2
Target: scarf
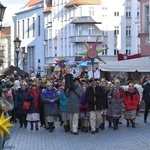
x=118, y=92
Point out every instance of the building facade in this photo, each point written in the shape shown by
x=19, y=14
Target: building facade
x=66, y=24
x=144, y=34
x=28, y=26
x=6, y=56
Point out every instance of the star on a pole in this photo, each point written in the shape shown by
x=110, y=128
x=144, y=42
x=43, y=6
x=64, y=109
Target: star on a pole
x=4, y=124
x=92, y=53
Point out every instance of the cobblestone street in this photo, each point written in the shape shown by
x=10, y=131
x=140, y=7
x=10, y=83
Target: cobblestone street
x=125, y=138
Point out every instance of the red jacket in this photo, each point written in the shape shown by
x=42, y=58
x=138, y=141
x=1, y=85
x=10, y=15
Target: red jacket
x=131, y=99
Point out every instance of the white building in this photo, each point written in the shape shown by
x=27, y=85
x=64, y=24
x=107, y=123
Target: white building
x=66, y=24
x=28, y=26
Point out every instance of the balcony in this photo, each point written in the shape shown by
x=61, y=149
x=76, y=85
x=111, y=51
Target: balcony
x=82, y=38
x=86, y=20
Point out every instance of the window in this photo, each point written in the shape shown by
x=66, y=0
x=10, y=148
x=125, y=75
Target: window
x=138, y=12
x=50, y=33
x=105, y=51
x=128, y=49
x=91, y=30
x=79, y=49
x=116, y=13
x=79, y=30
x=18, y=29
x=39, y=25
x=33, y=26
x=116, y=51
x=128, y=30
x=28, y=27
x=56, y=33
x=128, y=12
x=116, y=30
x=104, y=31
x=146, y=18
x=91, y=11
x=23, y=29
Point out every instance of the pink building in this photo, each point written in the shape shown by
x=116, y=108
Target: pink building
x=144, y=34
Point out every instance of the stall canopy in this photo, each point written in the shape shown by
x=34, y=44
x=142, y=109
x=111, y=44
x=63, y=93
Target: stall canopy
x=13, y=70
x=139, y=64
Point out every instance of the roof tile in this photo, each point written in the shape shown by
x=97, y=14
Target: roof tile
x=33, y=2
x=80, y=2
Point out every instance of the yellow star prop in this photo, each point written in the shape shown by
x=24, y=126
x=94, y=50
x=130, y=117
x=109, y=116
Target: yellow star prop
x=4, y=124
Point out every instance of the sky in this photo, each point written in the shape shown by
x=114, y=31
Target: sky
x=12, y=7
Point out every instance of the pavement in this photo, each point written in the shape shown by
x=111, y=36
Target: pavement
x=125, y=138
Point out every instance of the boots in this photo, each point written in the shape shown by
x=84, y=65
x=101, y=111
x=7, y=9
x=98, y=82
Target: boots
x=50, y=126
x=36, y=127
x=85, y=129
x=31, y=126
x=66, y=128
x=109, y=124
x=127, y=123
x=115, y=123
x=133, y=124
x=102, y=126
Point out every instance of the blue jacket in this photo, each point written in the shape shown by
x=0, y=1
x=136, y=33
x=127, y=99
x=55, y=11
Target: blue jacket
x=50, y=108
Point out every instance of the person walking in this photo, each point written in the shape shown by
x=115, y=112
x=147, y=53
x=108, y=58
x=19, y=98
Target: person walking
x=74, y=94
x=84, y=111
x=63, y=108
x=131, y=101
x=32, y=96
x=146, y=98
x=50, y=99
x=115, y=100
x=20, y=98
x=94, y=95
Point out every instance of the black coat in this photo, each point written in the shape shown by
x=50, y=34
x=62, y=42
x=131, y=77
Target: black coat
x=146, y=93
x=97, y=102
x=20, y=97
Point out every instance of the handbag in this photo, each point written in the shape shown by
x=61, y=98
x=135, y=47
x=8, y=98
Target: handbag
x=26, y=105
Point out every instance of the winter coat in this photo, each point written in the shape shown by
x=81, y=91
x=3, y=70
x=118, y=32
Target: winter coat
x=115, y=102
x=63, y=101
x=33, y=97
x=20, y=97
x=146, y=93
x=131, y=99
x=95, y=99
x=50, y=108
x=74, y=96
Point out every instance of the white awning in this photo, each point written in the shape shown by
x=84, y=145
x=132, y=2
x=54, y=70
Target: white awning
x=138, y=64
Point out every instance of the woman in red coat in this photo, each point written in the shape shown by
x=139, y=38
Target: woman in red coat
x=131, y=101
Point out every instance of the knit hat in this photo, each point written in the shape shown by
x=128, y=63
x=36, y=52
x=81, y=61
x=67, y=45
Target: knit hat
x=48, y=84
x=17, y=84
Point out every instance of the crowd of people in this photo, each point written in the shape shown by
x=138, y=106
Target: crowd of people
x=84, y=104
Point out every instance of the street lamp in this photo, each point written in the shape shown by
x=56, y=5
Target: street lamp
x=24, y=54
x=17, y=44
x=2, y=11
